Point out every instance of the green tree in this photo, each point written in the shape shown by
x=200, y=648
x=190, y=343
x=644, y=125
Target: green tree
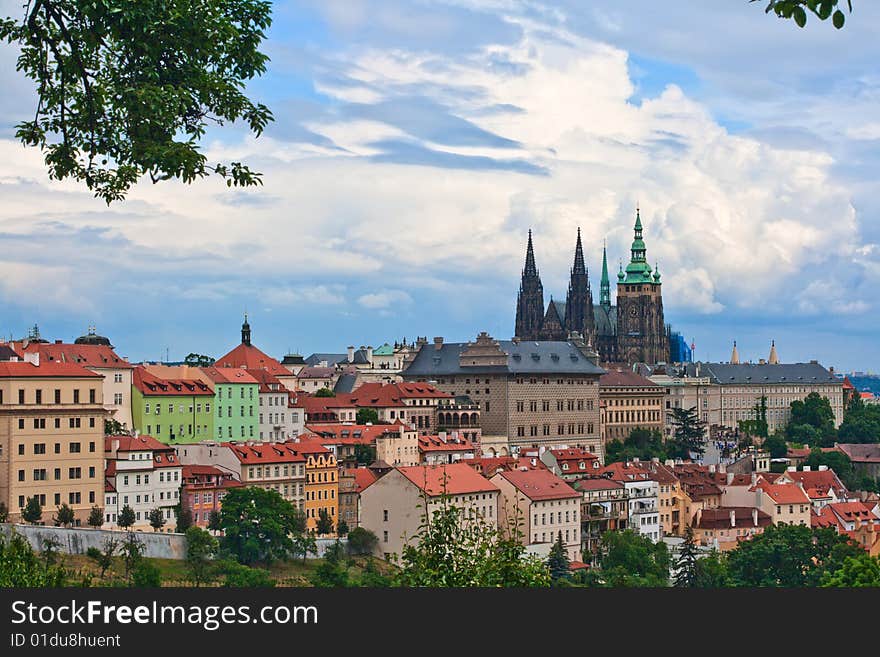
x=104, y=557
x=776, y=445
x=557, y=560
x=146, y=574
x=454, y=549
x=712, y=571
x=811, y=421
x=113, y=427
x=215, y=521
x=198, y=360
x=258, y=525
x=127, y=89
x=50, y=550
x=837, y=461
x=364, y=454
x=362, y=541
x=21, y=567
x=756, y=426
x=96, y=517
x=365, y=415
x=132, y=550
x=325, y=523
x=201, y=549
x=156, y=518
x=686, y=564
x=371, y=577
x=32, y=511
x=126, y=517
x=241, y=576
x=641, y=443
x=688, y=434
x=629, y=559
x=64, y=516
x=861, y=423
x=788, y=556
x=332, y=571
x=304, y=544
x=325, y=392
x=342, y=528
x=184, y=518
x=859, y=571
x=797, y=10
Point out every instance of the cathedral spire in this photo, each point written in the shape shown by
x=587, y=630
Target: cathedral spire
x=605, y=286
x=246, y=331
x=638, y=270
x=774, y=357
x=579, y=266
x=734, y=357
x=530, y=268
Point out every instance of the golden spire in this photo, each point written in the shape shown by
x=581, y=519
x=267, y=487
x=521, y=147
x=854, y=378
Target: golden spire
x=734, y=357
x=774, y=357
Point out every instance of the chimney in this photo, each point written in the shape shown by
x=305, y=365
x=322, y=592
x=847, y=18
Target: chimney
x=800, y=485
x=712, y=468
x=62, y=342
x=729, y=478
x=32, y=357
x=442, y=436
x=754, y=479
x=722, y=468
x=438, y=343
x=791, y=468
x=698, y=517
x=823, y=468
x=370, y=355
x=759, y=498
x=806, y=468
x=733, y=517
x=755, y=517
x=351, y=354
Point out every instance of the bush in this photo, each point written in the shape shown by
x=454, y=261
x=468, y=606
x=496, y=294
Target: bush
x=146, y=575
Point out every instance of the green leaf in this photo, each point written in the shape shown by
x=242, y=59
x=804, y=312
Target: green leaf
x=825, y=9
x=838, y=19
x=800, y=16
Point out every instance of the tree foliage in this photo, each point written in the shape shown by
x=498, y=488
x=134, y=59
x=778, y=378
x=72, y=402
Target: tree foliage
x=198, y=360
x=32, y=511
x=797, y=10
x=113, y=427
x=686, y=564
x=688, y=434
x=127, y=89
x=184, y=518
x=789, y=556
x=104, y=557
x=126, y=517
x=325, y=392
x=557, y=560
x=20, y=566
x=365, y=415
x=215, y=521
x=96, y=517
x=259, y=525
x=241, y=576
x=861, y=423
x=156, y=518
x=629, y=559
x=362, y=541
x=64, y=516
x=859, y=571
x=756, y=426
x=201, y=548
x=643, y=444
x=811, y=421
x=325, y=523
x=776, y=445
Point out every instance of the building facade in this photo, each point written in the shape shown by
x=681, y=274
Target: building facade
x=236, y=403
x=630, y=401
x=174, y=411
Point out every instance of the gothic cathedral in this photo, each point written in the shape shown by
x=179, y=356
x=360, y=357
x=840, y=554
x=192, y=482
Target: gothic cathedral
x=633, y=331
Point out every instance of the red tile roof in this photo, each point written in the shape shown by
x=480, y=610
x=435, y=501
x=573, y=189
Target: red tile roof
x=435, y=444
x=140, y=443
x=355, y=434
x=267, y=380
x=489, y=465
x=783, y=493
x=539, y=485
x=53, y=369
x=228, y=375
x=392, y=395
x=820, y=480
x=151, y=385
x=87, y=355
x=460, y=479
x=251, y=358
x=596, y=483
x=719, y=518
x=363, y=477
x=259, y=453
x=624, y=472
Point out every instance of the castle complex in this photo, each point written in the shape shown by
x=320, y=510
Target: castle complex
x=633, y=331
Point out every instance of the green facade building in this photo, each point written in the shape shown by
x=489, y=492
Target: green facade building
x=174, y=411
x=236, y=403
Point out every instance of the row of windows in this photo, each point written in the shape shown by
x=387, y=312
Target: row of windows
x=72, y=423
x=633, y=416
x=560, y=429
x=321, y=494
x=633, y=402
x=570, y=536
x=38, y=396
x=275, y=400
x=554, y=517
x=40, y=448
x=73, y=497
x=180, y=408
x=41, y=474
x=571, y=382
x=257, y=472
x=229, y=431
x=229, y=392
x=561, y=405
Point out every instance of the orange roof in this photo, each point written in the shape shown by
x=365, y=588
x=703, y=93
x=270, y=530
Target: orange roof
x=820, y=480
x=489, y=465
x=849, y=511
x=460, y=479
x=259, y=453
x=140, y=443
x=267, y=380
x=624, y=472
x=355, y=434
x=151, y=385
x=251, y=358
x=53, y=369
x=435, y=444
x=228, y=375
x=573, y=454
x=382, y=395
x=363, y=477
x=539, y=485
x=783, y=493
x=596, y=483
x=87, y=355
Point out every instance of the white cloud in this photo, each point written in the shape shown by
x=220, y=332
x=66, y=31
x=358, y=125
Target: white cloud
x=384, y=299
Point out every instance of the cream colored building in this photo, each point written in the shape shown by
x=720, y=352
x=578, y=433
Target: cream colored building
x=393, y=507
x=786, y=504
x=51, y=437
x=398, y=448
x=726, y=393
x=542, y=507
x=100, y=359
x=630, y=401
x=535, y=393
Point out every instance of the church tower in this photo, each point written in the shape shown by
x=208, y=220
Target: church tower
x=246, y=332
x=579, y=300
x=530, y=301
x=641, y=330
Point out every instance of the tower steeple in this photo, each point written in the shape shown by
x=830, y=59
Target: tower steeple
x=530, y=300
x=246, y=332
x=579, y=300
x=638, y=270
x=605, y=285
x=774, y=357
x=734, y=356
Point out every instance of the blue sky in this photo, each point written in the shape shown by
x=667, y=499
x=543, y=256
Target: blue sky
x=416, y=143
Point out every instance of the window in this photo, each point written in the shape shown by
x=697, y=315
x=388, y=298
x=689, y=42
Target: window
x=91, y=395
x=39, y=396
x=76, y=396
x=74, y=448
x=117, y=398
x=57, y=396
x=39, y=448
x=21, y=396
x=21, y=423
x=117, y=378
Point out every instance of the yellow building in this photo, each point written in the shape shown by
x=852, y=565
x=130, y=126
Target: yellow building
x=51, y=437
x=322, y=483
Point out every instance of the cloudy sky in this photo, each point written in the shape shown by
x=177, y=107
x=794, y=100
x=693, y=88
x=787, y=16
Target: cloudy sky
x=415, y=143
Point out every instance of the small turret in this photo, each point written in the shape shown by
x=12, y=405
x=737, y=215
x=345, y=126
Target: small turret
x=734, y=357
x=774, y=357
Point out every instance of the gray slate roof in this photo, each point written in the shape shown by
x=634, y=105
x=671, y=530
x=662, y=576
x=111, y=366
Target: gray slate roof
x=345, y=383
x=524, y=358
x=606, y=322
x=7, y=352
x=331, y=359
x=754, y=373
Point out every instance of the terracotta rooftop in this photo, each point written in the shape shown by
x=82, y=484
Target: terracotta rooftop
x=460, y=479
x=251, y=358
x=539, y=485
x=52, y=370
x=87, y=355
